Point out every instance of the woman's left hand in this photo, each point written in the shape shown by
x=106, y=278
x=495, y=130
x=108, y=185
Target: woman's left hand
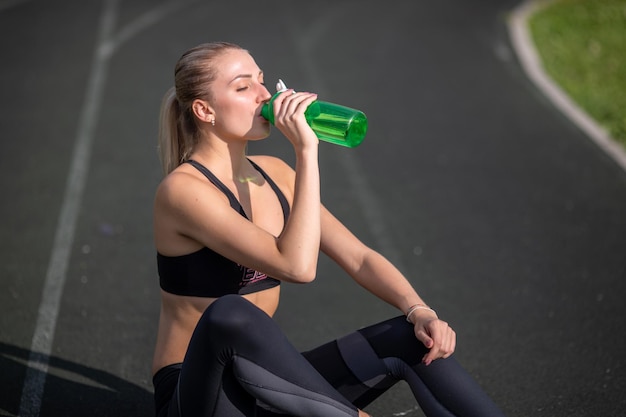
x=435, y=334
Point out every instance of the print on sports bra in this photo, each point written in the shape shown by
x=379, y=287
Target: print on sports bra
x=250, y=276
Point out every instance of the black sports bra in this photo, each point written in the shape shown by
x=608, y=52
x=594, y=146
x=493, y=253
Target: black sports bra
x=206, y=273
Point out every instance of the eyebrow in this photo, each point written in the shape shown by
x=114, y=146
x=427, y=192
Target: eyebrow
x=243, y=76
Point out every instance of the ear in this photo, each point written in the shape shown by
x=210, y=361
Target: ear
x=203, y=111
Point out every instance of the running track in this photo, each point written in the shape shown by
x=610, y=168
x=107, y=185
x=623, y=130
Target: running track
x=506, y=217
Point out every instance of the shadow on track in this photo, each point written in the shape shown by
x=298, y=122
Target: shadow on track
x=72, y=390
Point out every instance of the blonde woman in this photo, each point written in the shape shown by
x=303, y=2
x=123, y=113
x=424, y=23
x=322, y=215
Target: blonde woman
x=230, y=227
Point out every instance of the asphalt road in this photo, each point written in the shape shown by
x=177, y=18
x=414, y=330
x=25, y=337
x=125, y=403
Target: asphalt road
x=508, y=220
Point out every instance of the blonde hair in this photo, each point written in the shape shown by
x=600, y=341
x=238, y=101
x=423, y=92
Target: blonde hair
x=193, y=75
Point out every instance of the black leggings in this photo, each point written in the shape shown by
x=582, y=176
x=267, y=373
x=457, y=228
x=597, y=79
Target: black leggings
x=239, y=363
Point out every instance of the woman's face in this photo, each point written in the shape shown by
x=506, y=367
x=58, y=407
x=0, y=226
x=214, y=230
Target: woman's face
x=238, y=95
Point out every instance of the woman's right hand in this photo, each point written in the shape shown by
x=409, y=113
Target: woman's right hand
x=289, y=108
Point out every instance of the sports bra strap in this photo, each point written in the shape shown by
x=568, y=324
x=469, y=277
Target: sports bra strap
x=281, y=197
x=234, y=203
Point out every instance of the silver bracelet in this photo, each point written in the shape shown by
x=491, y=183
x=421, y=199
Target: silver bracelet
x=416, y=307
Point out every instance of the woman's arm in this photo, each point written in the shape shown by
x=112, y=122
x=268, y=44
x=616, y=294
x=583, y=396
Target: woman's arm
x=300, y=240
x=194, y=208
x=380, y=277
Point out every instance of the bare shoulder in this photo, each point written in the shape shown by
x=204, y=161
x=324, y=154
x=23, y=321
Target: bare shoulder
x=189, y=212
x=174, y=185
x=183, y=187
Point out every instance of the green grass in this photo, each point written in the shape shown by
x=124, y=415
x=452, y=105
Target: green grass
x=582, y=44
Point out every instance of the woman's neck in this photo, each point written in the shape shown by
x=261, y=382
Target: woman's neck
x=227, y=160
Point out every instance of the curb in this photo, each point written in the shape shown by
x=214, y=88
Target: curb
x=531, y=63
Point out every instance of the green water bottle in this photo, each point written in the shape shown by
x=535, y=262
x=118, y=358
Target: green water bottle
x=331, y=122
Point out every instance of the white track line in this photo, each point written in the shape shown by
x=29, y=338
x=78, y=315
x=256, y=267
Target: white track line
x=43, y=337
x=531, y=63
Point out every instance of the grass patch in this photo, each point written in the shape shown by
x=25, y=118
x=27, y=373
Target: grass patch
x=582, y=44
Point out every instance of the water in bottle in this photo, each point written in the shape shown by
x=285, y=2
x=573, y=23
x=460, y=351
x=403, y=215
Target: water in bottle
x=331, y=122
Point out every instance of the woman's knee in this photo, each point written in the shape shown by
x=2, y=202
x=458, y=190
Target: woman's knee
x=230, y=314
x=395, y=338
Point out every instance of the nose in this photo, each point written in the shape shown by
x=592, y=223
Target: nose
x=264, y=95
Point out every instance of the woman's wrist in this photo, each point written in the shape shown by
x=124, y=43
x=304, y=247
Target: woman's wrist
x=415, y=308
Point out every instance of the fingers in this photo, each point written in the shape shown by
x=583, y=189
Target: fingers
x=289, y=105
x=289, y=108
x=439, y=338
x=423, y=337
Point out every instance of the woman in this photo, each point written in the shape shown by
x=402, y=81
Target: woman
x=229, y=228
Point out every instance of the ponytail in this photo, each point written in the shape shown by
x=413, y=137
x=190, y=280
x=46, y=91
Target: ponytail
x=178, y=130
x=177, y=133
x=168, y=132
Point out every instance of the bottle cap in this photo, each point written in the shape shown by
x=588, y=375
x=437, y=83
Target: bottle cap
x=280, y=86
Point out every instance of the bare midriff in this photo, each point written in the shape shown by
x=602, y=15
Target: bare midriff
x=179, y=316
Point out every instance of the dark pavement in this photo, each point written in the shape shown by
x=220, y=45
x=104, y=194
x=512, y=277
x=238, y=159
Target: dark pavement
x=509, y=221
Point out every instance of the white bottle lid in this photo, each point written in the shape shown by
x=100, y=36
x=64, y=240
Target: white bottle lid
x=280, y=86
